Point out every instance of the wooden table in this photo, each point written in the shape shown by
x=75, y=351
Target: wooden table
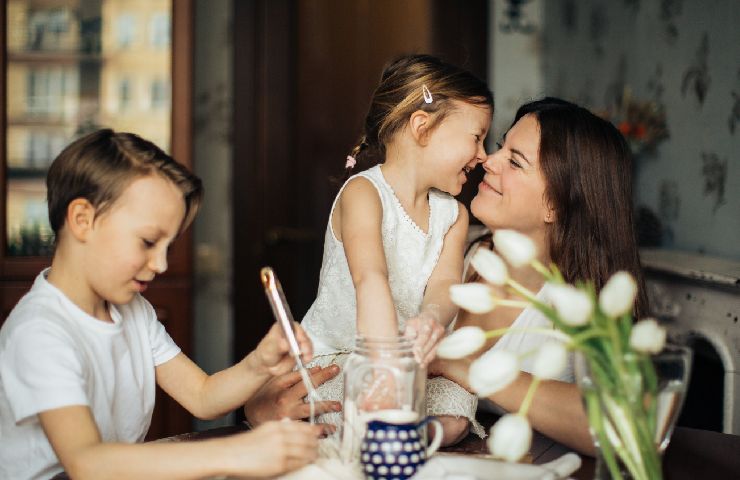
x=692, y=454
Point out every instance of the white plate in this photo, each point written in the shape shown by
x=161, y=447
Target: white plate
x=463, y=467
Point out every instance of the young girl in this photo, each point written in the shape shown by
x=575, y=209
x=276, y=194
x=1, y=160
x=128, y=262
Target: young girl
x=82, y=352
x=395, y=238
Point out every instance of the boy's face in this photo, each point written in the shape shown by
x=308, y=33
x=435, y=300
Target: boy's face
x=128, y=243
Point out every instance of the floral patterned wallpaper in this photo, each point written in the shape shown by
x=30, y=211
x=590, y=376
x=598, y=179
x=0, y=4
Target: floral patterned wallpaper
x=683, y=56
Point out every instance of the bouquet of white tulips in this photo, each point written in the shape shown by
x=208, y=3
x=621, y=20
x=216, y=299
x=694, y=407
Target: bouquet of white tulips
x=621, y=405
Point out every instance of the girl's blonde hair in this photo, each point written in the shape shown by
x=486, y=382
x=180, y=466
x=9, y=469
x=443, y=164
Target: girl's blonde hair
x=404, y=84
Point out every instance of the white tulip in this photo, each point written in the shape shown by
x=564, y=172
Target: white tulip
x=461, y=343
x=551, y=360
x=516, y=248
x=647, y=336
x=490, y=266
x=493, y=371
x=573, y=306
x=473, y=297
x=511, y=437
x=618, y=295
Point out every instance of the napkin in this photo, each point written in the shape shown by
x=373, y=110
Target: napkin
x=465, y=467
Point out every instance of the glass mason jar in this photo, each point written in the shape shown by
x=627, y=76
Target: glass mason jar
x=381, y=374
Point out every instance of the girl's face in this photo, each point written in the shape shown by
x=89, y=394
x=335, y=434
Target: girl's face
x=129, y=242
x=512, y=193
x=456, y=145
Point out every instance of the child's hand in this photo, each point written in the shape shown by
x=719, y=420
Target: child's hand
x=427, y=332
x=381, y=394
x=273, y=354
x=275, y=448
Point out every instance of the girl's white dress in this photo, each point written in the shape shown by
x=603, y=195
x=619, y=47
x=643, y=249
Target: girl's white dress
x=411, y=255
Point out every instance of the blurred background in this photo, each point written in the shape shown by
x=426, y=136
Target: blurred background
x=265, y=98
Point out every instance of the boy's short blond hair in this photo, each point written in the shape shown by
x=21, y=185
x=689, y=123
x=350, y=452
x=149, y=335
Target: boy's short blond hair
x=100, y=166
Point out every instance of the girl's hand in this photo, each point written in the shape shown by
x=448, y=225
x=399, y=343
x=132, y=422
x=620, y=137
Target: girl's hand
x=380, y=394
x=273, y=354
x=427, y=332
x=274, y=448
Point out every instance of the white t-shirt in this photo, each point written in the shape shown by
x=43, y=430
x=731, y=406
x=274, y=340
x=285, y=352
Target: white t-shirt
x=53, y=354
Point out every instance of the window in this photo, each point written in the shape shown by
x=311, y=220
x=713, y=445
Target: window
x=124, y=94
x=126, y=29
x=159, y=30
x=159, y=95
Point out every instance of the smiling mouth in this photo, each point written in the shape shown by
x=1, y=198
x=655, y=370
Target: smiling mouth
x=488, y=186
x=142, y=284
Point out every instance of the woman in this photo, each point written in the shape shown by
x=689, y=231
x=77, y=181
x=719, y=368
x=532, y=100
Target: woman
x=562, y=177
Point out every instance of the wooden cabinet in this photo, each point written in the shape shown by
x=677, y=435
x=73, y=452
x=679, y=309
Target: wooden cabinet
x=70, y=67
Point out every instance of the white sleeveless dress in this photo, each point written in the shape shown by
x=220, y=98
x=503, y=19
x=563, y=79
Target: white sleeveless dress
x=411, y=256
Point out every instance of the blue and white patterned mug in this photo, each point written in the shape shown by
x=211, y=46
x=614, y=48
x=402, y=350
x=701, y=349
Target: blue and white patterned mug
x=392, y=448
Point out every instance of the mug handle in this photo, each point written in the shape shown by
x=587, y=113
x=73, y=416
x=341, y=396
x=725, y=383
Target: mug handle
x=438, y=432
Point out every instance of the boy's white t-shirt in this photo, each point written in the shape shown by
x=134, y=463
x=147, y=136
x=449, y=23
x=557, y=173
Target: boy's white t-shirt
x=53, y=354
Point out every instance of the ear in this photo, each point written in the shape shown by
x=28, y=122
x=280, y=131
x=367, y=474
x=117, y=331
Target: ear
x=419, y=125
x=80, y=218
x=549, y=213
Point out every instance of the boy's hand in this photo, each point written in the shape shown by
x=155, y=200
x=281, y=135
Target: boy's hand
x=427, y=332
x=274, y=448
x=273, y=354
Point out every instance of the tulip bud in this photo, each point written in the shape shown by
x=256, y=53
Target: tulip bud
x=516, y=248
x=647, y=336
x=490, y=266
x=473, y=297
x=493, y=371
x=510, y=437
x=551, y=360
x=461, y=343
x=618, y=295
x=574, y=306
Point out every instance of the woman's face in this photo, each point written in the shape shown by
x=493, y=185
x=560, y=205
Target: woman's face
x=512, y=193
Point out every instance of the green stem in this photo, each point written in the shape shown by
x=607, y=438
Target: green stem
x=543, y=331
x=577, y=340
x=503, y=302
x=521, y=289
x=529, y=396
x=545, y=272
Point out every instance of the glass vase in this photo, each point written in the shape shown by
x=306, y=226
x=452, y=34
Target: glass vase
x=633, y=401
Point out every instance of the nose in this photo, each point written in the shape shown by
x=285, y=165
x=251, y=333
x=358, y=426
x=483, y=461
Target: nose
x=492, y=164
x=480, y=155
x=158, y=260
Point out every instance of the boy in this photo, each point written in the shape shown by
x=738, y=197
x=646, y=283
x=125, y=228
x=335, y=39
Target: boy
x=81, y=352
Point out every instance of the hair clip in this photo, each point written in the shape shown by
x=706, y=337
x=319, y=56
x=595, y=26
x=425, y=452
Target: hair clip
x=351, y=162
x=427, y=94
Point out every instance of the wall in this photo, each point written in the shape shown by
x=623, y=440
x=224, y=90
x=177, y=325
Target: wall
x=516, y=62
x=685, y=56
x=212, y=158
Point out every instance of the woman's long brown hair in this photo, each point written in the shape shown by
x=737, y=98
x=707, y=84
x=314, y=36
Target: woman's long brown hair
x=587, y=167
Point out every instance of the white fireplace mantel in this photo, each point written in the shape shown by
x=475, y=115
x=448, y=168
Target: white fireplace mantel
x=699, y=295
